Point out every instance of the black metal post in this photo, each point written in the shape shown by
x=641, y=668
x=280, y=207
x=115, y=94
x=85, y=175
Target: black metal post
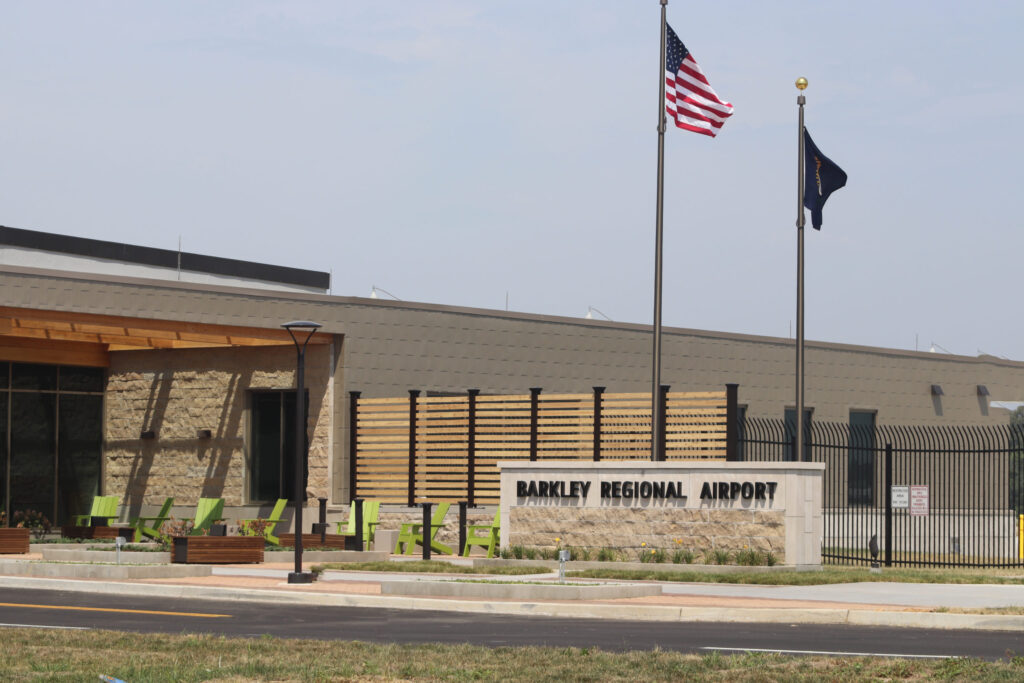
x=357, y=510
x=462, y=526
x=888, y=505
x=534, y=412
x=598, y=395
x=413, y=393
x=321, y=526
x=732, y=428
x=471, y=449
x=426, y=530
x=662, y=422
x=353, y=443
x=298, y=576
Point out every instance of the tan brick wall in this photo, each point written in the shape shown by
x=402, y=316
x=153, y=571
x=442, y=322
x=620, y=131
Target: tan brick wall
x=178, y=392
x=624, y=529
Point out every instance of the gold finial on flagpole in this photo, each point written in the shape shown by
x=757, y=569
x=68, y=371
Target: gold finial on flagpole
x=801, y=83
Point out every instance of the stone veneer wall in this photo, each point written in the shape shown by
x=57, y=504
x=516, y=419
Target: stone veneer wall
x=666, y=528
x=178, y=392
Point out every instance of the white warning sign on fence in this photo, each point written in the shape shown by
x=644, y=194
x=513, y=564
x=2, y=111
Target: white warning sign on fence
x=919, y=501
x=900, y=497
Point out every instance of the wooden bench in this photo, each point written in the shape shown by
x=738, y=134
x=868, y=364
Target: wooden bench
x=338, y=541
x=217, y=549
x=14, y=541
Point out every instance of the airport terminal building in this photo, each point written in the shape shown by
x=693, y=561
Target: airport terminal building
x=149, y=373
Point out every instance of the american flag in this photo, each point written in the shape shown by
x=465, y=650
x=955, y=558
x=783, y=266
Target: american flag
x=690, y=100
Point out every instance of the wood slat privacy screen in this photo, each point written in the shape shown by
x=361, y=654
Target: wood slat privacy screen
x=416, y=449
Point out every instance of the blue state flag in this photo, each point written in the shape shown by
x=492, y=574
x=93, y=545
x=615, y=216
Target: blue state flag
x=821, y=178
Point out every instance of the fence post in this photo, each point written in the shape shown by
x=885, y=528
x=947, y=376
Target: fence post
x=662, y=421
x=356, y=510
x=413, y=393
x=353, y=450
x=598, y=391
x=471, y=450
x=534, y=402
x=462, y=527
x=426, y=530
x=732, y=427
x=888, y=505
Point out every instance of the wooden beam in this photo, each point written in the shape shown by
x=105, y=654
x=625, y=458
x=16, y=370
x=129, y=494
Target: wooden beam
x=136, y=332
x=54, y=352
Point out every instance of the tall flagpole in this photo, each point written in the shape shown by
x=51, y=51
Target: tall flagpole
x=656, y=453
x=801, y=83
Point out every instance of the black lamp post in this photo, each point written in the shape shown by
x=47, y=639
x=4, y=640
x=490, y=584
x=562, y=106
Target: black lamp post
x=307, y=327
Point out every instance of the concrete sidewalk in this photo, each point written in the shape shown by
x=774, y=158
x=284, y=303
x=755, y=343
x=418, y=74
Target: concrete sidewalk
x=880, y=604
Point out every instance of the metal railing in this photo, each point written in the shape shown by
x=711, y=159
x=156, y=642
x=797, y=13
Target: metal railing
x=930, y=496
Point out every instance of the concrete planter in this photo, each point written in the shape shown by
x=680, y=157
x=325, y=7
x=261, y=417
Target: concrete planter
x=125, y=532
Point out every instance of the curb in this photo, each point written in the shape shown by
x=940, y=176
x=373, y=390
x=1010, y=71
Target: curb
x=661, y=613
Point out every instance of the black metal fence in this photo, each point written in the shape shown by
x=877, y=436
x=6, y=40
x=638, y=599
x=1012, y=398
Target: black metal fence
x=930, y=496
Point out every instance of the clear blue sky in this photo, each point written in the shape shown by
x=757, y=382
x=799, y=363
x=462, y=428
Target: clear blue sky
x=453, y=151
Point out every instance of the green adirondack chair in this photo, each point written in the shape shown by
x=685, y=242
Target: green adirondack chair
x=411, y=533
x=484, y=535
x=371, y=512
x=272, y=521
x=208, y=511
x=150, y=526
x=102, y=506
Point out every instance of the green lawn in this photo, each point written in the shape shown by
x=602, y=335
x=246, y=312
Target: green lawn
x=44, y=655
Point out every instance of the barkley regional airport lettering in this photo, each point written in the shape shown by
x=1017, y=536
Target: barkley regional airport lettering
x=609, y=489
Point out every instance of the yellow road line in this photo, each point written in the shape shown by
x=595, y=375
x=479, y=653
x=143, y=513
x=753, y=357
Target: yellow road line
x=112, y=609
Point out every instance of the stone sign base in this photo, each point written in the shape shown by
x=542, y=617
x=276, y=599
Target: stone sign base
x=697, y=506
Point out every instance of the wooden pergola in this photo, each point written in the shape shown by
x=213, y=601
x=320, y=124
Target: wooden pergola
x=66, y=338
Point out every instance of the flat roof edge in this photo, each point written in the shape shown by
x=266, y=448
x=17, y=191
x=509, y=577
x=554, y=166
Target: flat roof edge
x=162, y=258
x=317, y=298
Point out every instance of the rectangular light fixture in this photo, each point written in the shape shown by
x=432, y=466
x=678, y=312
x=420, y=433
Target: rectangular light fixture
x=148, y=434
x=936, y=390
x=982, y=390
x=204, y=434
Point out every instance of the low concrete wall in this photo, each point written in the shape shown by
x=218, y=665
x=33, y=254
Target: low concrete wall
x=100, y=571
x=105, y=556
x=519, y=591
x=580, y=565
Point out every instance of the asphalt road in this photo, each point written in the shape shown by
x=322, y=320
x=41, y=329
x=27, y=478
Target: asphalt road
x=41, y=608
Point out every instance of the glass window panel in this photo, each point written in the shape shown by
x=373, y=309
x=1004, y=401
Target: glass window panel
x=861, y=461
x=33, y=447
x=3, y=452
x=265, y=428
x=80, y=437
x=33, y=376
x=81, y=379
x=272, y=435
x=5, y=369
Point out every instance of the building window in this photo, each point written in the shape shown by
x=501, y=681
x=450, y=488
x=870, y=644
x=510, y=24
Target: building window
x=790, y=434
x=51, y=438
x=860, y=473
x=272, y=445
